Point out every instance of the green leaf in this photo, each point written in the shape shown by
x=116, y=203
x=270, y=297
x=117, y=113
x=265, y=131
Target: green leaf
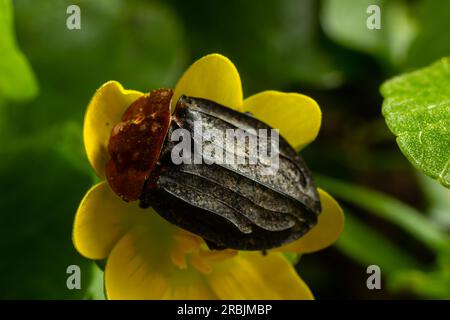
x=393, y=210
x=17, y=81
x=364, y=245
x=417, y=111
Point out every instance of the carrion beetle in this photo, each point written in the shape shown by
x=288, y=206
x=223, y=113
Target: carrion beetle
x=233, y=206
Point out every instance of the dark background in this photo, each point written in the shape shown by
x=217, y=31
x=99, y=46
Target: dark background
x=319, y=48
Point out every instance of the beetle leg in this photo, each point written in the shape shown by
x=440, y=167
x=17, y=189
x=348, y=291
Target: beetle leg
x=214, y=246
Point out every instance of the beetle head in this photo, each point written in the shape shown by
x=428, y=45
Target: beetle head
x=136, y=141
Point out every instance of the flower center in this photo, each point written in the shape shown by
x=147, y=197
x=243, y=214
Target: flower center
x=189, y=249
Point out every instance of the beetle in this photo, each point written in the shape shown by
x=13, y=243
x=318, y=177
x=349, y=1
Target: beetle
x=229, y=206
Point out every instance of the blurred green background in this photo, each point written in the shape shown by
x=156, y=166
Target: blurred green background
x=396, y=217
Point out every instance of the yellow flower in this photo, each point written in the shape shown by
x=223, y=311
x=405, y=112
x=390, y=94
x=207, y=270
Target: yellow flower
x=149, y=258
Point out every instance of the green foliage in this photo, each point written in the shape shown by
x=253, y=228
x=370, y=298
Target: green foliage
x=276, y=44
x=43, y=160
x=411, y=34
x=434, y=283
x=273, y=42
x=363, y=244
x=43, y=191
x=390, y=209
x=438, y=200
x=345, y=21
x=136, y=43
x=432, y=40
x=96, y=291
x=292, y=257
x=417, y=110
x=367, y=246
x=17, y=82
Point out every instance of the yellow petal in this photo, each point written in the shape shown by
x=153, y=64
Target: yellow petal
x=298, y=117
x=104, y=111
x=213, y=77
x=102, y=219
x=250, y=275
x=139, y=268
x=329, y=226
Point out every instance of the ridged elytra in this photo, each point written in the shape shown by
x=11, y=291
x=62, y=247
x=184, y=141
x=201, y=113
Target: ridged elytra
x=229, y=206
